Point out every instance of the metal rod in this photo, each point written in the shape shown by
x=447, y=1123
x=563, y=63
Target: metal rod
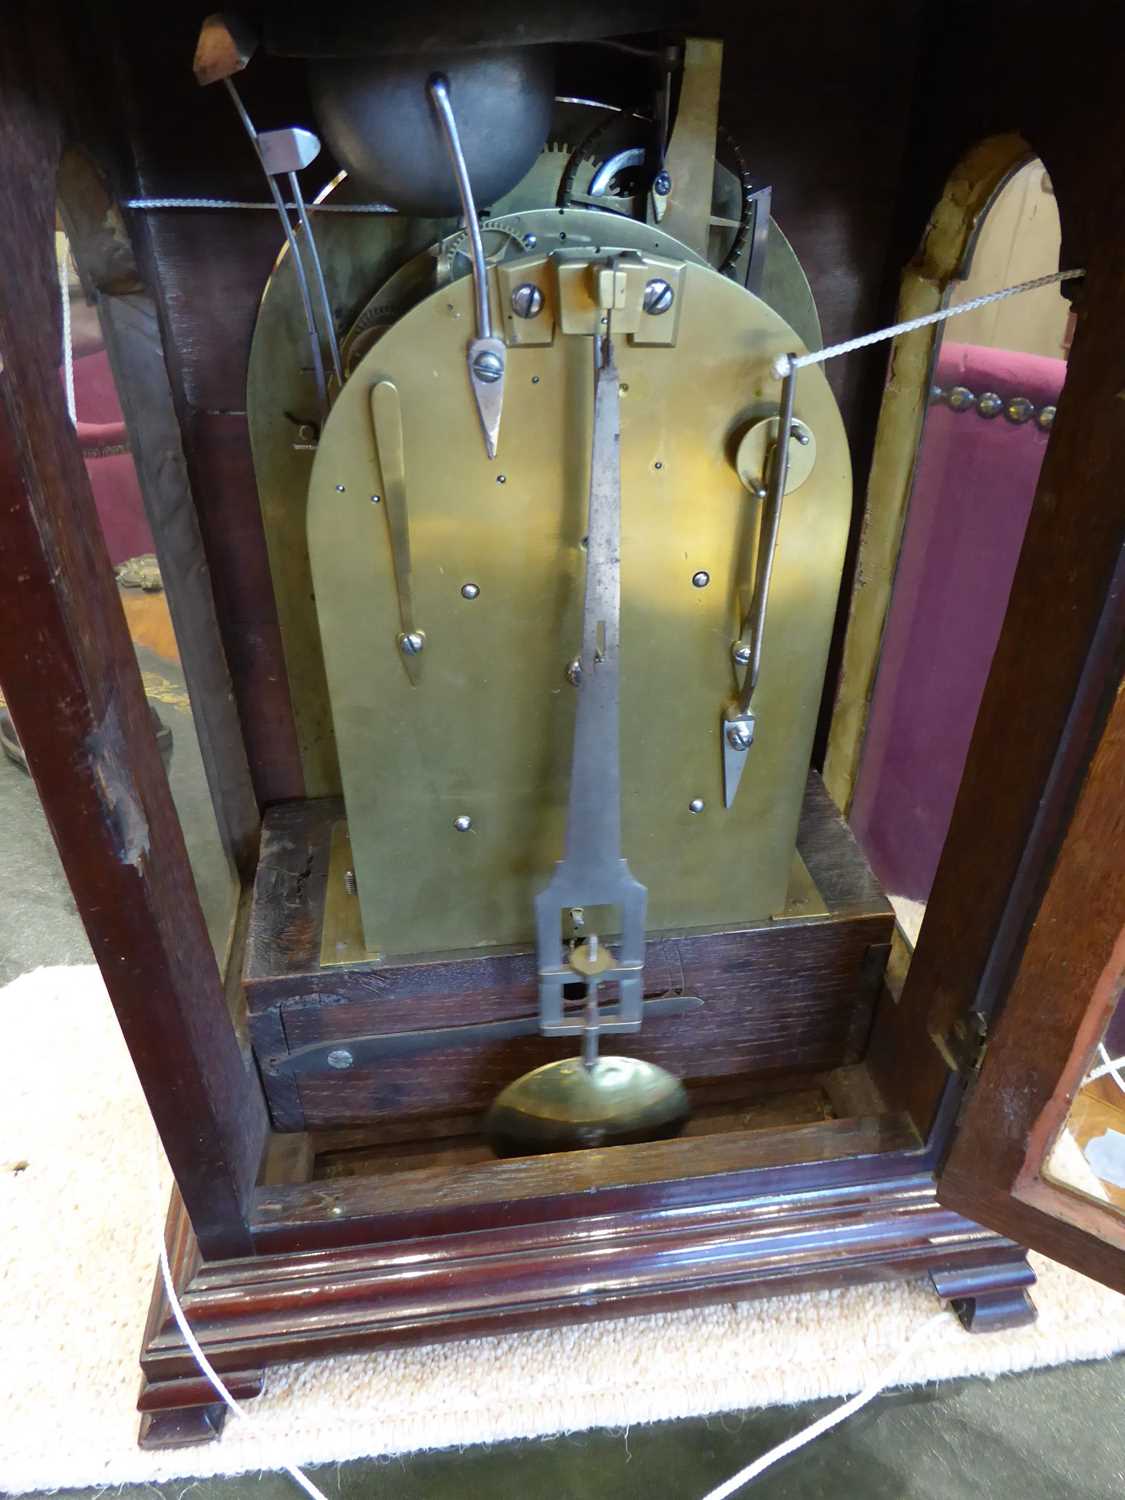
x=439, y=94
x=291, y=240
x=771, y=526
x=318, y=275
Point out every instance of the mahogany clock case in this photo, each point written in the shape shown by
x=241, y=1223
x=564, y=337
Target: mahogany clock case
x=830, y=1090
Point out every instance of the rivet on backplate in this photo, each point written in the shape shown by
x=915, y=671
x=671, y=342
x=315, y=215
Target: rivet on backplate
x=340, y=1058
x=375, y=499
x=741, y=653
x=658, y=465
x=658, y=297
x=701, y=579
x=501, y=479
x=535, y=380
x=469, y=591
x=527, y=300
x=695, y=805
x=463, y=823
x=488, y=367
x=339, y=489
x=739, y=736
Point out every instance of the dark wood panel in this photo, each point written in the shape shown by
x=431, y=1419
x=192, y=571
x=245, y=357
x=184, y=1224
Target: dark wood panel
x=72, y=684
x=796, y=1000
x=222, y=469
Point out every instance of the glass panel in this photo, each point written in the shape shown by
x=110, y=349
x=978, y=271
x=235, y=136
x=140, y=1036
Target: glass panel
x=39, y=923
x=1089, y=1155
x=996, y=379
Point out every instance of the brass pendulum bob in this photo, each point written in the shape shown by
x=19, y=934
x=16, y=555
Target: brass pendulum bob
x=579, y=1102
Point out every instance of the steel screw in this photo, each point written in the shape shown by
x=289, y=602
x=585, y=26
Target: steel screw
x=530, y=241
x=574, y=672
x=700, y=580
x=488, y=366
x=469, y=591
x=741, y=653
x=527, y=300
x=658, y=297
x=662, y=184
x=339, y=1057
x=695, y=805
x=739, y=736
x=412, y=643
x=463, y=823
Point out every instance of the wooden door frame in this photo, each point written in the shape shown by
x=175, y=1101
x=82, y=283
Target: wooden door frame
x=1070, y=977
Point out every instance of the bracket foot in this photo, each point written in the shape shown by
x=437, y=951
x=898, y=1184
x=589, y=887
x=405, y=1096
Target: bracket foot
x=988, y=1299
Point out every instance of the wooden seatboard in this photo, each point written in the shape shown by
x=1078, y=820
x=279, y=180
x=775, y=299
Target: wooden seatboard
x=794, y=995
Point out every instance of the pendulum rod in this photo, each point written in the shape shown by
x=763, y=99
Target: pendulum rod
x=592, y=871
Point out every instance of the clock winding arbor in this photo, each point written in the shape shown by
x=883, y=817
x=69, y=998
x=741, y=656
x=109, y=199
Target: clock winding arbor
x=507, y=607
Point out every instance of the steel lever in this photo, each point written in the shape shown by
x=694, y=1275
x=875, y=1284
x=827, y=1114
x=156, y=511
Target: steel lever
x=487, y=353
x=738, y=722
x=386, y=420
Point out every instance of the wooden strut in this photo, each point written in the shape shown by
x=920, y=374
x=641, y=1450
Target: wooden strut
x=72, y=683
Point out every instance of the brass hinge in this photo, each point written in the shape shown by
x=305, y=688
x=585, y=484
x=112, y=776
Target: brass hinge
x=964, y=1043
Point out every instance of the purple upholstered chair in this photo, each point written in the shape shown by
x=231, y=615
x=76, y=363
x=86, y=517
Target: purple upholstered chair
x=977, y=469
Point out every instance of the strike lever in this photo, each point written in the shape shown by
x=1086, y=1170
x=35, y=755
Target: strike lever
x=487, y=353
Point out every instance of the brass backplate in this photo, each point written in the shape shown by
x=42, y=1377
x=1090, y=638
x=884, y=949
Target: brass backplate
x=341, y=939
x=487, y=733
x=361, y=255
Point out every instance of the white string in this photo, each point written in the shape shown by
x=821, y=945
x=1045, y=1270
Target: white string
x=205, y=1364
x=1110, y=1066
x=313, y=207
x=784, y=363
x=832, y=1419
x=62, y=256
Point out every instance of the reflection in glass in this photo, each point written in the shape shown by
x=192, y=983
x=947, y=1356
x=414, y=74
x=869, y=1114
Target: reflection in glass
x=995, y=384
x=1089, y=1155
x=121, y=515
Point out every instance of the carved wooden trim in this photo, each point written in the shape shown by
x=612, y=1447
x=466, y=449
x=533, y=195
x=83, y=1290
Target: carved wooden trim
x=274, y=1308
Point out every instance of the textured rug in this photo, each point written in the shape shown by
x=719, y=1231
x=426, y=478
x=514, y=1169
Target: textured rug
x=81, y=1190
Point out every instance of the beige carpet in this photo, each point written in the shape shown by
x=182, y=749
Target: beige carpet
x=78, y=1209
